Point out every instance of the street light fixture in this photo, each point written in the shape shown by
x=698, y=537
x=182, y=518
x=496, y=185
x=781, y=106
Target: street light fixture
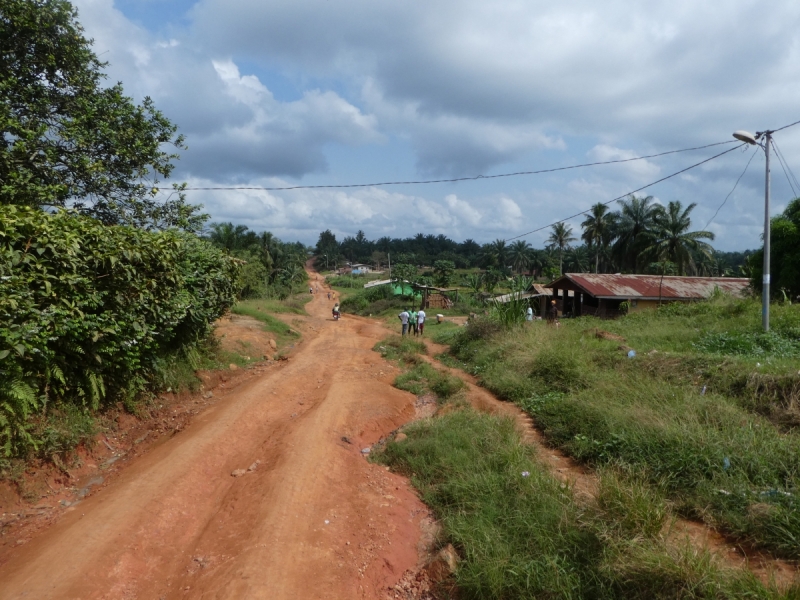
x=753, y=140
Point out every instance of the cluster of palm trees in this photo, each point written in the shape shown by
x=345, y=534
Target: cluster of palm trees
x=642, y=236
x=270, y=263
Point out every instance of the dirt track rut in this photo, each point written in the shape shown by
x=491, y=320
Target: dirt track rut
x=314, y=519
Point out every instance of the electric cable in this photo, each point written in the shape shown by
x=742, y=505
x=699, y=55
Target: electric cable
x=786, y=126
x=787, y=170
x=454, y=180
x=583, y=212
x=752, y=156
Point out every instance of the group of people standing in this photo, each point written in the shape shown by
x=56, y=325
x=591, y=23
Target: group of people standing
x=412, y=321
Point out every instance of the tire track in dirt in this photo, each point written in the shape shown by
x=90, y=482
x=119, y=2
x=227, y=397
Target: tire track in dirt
x=585, y=483
x=313, y=519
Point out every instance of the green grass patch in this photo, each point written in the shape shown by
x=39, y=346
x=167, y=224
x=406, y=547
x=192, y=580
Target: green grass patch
x=522, y=534
x=402, y=348
x=284, y=334
x=423, y=378
x=295, y=304
x=701, y=427
x=441, y=333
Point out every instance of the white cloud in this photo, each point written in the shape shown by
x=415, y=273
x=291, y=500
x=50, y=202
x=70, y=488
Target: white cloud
x=462, y=88
x=464, y=211
x=643, y=170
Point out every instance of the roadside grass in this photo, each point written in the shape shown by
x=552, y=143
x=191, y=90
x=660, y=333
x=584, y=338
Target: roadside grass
x=420, y=377
x=294, y=304
x=423, y=377
x=698, y=435
x=441, y=333
x=400, y=348
x=283, y=333
x=521, y=533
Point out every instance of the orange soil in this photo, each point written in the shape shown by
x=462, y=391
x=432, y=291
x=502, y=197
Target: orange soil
x=311, y=519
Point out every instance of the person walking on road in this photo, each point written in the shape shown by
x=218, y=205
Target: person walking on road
x=421, y=321
x=404, y=316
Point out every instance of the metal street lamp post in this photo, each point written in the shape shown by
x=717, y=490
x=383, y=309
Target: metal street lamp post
x=749, y=138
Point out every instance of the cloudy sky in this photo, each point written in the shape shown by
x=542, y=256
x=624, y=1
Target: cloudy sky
x=312, y=92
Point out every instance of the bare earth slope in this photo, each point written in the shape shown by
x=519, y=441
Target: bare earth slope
x=311, y=519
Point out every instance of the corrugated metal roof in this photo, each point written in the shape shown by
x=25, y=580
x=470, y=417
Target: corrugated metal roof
x=647, y=286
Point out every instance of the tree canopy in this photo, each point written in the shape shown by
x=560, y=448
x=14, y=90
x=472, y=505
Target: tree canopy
x=69, y=141
x=784, y=255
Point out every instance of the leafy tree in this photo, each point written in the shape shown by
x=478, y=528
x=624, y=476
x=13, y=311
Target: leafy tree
x=65, y=140
x=560, y=238
x=327, y=247
x=443, y=269
x=404, y=272
x=784, y=254
x=671, y=240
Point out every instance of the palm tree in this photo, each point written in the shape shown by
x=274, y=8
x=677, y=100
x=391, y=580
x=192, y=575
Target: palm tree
x=635, y=222
x=228, y=236
x=495, y=254
x=597, y=230
x=560, y=237
x=519, y=253
x=578, y=259
x=671, y=239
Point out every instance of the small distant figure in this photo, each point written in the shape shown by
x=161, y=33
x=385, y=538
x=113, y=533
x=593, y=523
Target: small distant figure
x=404, y=316
x=421, y=321
x=310, y=290
x=336, y=313
x=412, y=322
x=329, y=295
x=552, y=314
x=529, y=314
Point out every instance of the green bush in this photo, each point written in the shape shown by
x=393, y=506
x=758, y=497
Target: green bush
x=755, y=344
x=87, y=310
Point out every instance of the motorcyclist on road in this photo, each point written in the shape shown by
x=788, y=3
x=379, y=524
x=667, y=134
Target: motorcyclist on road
x=336, y=313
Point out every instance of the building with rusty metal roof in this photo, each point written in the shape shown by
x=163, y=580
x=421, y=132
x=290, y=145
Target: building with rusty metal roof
x=602, y=294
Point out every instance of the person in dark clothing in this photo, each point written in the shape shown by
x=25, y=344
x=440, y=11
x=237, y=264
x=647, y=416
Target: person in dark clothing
x=552, y=313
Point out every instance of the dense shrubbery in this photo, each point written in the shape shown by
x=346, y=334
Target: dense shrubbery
x=374, y=301
x=87, y=310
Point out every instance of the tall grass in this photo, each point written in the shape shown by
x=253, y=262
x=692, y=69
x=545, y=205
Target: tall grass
x=684, y=432
x=522, y=534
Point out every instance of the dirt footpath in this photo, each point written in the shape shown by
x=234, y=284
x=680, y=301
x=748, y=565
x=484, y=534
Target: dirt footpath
x=265, y=495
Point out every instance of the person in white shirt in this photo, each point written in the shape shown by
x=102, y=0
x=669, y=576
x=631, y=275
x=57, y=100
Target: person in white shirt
x=420, y=321
x=529, y=314
x=403, y=316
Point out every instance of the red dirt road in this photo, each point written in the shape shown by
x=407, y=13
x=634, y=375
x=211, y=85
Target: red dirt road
x=314, y=519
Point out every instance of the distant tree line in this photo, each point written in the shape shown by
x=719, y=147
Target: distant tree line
x=640, y=237
x=271, y=268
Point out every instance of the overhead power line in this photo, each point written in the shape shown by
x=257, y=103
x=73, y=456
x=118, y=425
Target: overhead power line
x=454, y=180
x=752, y=156
x=644, y=187
x=787, y=170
